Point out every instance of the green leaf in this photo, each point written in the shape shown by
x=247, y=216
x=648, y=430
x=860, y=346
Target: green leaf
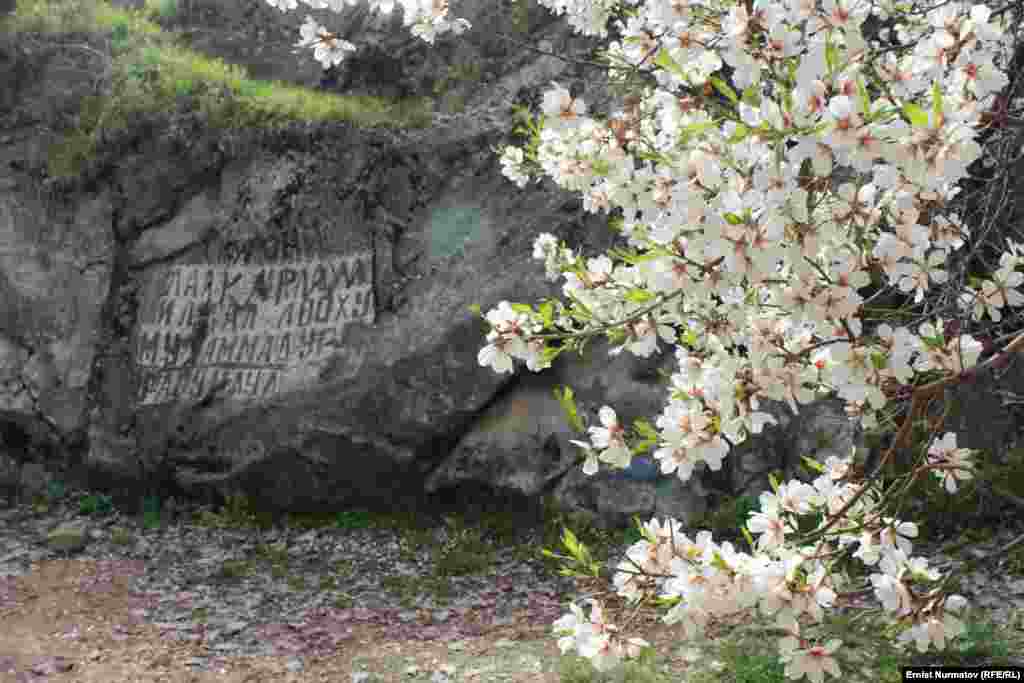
x=698, y=128
x=616, y=336
x=665, y=61
x=936, y=101
x=547, y=313
x=774, y=482
x=690, y=337
x=644, y=428
x=918, y=117
x=475, y=309
x=638, y=296
x=622, y=254
x=583, y=311
x=741, y=134
x=652, y=255
x=522, y=308
x=813, y=464
x=569, y=541
x=746, y=535
x=722, y=87
x=752, y=96
x=733, y=219
x=565, y=398
x=642, y=447
x=864, y=99
x=550, y=353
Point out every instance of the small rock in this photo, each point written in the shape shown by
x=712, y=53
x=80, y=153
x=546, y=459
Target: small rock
x=161, y=661
x=294, y=665
x=6, y=140
x=68, y=538
x=236, y=626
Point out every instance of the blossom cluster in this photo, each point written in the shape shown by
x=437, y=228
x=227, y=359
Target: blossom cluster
x=710, y=581
x=425, y=19
x=772, y=268
x=750, y=250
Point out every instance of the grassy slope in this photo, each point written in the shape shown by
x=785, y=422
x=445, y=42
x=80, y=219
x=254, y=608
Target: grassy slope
x=150, y=71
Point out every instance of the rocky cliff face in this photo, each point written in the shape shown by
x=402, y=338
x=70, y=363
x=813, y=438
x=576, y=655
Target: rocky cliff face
x=283, y=311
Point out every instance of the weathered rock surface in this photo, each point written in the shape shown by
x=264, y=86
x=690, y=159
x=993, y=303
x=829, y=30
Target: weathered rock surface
x=287, y=316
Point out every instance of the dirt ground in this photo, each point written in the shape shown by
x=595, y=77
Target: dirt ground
x=72, y=620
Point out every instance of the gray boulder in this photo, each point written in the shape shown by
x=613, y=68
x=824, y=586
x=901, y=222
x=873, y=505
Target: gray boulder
x=284, y=312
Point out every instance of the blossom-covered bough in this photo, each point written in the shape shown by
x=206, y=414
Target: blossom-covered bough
x=425, y=19
x=750, y=255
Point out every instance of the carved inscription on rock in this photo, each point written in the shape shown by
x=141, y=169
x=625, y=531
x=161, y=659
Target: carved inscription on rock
x=249, y=331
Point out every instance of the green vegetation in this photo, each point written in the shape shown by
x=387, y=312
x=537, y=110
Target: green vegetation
x=749, y=654
x=743, y=663
x=238, y=513
x=465, y=552
x=727, y=516
x=469, y=549
x=151, y=512
x=165, y=9
x=521, y=16
x=974, y=509
x=121, y=536
x=234, y=569
x=55, y=491
x=644, y=669
x=150, y=72
x=740, y=654
x=352, y=519
x=458, y=74
x=96, y=505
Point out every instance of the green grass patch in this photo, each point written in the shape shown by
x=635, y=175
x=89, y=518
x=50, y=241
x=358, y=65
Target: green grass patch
x=95, y=504
x=234, y=569
x=749, y=654
x=646, y=668
x=353, y=519
x=165, y=9
x=152, y=73
x=465, y=552
x=121, y=536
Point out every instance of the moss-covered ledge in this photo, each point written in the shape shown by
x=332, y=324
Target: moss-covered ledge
x=141, y=69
